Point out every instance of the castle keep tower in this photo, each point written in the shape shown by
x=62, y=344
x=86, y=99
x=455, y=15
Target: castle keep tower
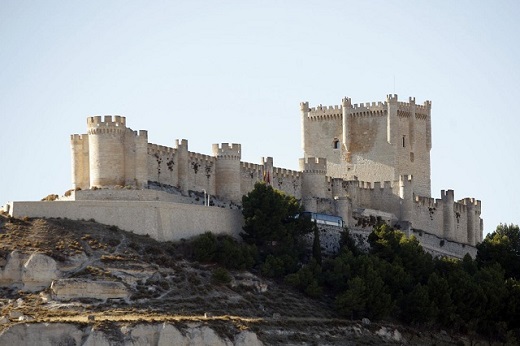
x=371, y=142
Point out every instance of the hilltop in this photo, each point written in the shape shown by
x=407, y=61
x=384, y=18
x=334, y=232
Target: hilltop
x=110, y=281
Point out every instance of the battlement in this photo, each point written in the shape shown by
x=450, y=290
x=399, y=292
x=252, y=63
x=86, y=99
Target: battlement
x=426, y=201
x=369, y=106
x=160, y=149
x=447, y=195
x=314, y=165
x=249, y=166
x=75, y=138
x=366, y=185
x=282, y=172
x=325, y=112
x=472, y=202
x=405, y=108
x=335, y=112
x=182, y=144
x=141, y=133
x=108, y=121
x=227, y=151
x=200, y=157
x=391, y=98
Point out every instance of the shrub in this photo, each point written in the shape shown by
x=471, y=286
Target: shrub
x=220, y=276
x=205, y=247
x=51, y=197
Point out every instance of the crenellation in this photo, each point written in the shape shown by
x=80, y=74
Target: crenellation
x=160, y=149
x=314, y=165
x=200, y=157
x=108, y=121
x=249, y=165
x=391, y=98
x=226, y=150
x=77, y=138
x=427, y=201
x=182, y=144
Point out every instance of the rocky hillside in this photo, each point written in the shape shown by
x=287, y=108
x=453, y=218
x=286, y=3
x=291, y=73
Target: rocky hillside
x=82, y=283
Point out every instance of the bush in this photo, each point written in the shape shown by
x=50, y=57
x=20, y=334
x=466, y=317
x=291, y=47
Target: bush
x=51, y=197
x=220, y=276
x=205, y=247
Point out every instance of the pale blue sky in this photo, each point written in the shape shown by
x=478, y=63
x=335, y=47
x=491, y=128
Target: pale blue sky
x=236, y=71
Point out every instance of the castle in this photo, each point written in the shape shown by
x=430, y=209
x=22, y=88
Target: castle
x=360, y=161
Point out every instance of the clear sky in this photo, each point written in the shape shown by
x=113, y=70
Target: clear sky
x=236, y=71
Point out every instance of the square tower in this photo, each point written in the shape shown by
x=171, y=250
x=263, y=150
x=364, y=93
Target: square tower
x=371, y=141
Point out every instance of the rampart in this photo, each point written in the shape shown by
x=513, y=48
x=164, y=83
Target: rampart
x=163, y=221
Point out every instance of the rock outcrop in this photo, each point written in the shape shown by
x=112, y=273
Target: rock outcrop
x=67, y=289
x=43, y=334
x=38, y=272
x=50, y=334
x=28, y=273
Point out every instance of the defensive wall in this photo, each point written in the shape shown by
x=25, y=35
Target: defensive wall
x=163, y=221
x=361, y=161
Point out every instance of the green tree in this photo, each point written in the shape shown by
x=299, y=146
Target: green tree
x=352, y=302
x=307, y=279
x=502, y=247
x=234, y=255
x=269, y=216
x=338, y=271
x=439, y=291
x=416, y=307
x=205, y=247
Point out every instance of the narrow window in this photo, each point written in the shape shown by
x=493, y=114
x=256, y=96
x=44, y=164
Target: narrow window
x=335, y=144
x=404, y=141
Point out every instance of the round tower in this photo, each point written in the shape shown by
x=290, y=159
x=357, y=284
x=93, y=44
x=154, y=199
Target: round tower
x=227, y=171
x=470, y=205
x=448, y=214
x=106, y=150
x=314, y=181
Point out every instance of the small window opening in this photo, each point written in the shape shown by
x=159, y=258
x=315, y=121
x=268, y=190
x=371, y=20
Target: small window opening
x=335, y=144
x=404, y=141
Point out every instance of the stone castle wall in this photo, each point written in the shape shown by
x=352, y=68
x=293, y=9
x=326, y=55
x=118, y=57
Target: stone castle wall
x=163, y=221
x=373, y=156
